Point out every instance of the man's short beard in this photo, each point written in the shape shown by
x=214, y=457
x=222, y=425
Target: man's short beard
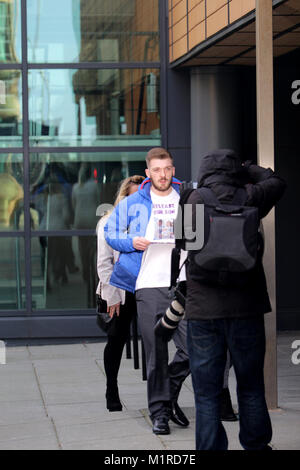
x=160, y=189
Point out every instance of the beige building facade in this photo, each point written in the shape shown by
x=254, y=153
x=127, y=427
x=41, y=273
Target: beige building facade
x=217, y=31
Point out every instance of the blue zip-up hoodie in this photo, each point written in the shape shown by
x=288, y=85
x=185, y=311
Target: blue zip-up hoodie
x=128, y=220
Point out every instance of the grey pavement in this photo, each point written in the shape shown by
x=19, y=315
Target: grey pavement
x=52, y=398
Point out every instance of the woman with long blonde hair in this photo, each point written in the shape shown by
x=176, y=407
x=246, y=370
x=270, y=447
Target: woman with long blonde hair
x=120, y=303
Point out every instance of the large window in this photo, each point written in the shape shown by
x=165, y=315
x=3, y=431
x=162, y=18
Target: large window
x=66, y=191
x=79, y=108
x=63, y=272
x=94, y=107
x=67, y=188
x=10, y=79
x=10, y=31
x=11, y=130
x=61, y=31
x=12, y=274
x=11, y=192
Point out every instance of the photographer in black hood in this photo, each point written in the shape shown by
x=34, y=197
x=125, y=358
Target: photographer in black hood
x=229, y=316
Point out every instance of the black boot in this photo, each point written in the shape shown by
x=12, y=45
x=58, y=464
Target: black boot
x=113, y=402
x=227, y=413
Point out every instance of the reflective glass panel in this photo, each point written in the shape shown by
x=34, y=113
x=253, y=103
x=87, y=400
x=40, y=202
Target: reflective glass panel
x=66, y=189
x=92, y=31
x=10, y=31
x=94, y=107
x=11, y=192
x=10, y=108
x=64, y=273
x=12, y=274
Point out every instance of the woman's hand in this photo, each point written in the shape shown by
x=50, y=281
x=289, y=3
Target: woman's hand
x=114, y=309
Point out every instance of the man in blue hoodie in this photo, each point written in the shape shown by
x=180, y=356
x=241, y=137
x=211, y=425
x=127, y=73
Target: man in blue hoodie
x=141, y=228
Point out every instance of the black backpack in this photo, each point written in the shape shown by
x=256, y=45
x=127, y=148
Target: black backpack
x=231, y=240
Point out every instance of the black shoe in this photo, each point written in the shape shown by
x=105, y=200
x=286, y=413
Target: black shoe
x=178, y=416
x=227, y=413
x=160, y=425
x=113, y=402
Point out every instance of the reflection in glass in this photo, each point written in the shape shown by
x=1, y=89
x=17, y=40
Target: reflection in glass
x=94, y=107
x=65, y=270
x=12, y=278
x=11, y=192
x=10, y=108
x=85, y=198
x=10, y=31
x=66, y=189
x=93, y=31
x=10, y=80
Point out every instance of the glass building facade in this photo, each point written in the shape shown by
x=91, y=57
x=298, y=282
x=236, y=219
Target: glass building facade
x=79, y=107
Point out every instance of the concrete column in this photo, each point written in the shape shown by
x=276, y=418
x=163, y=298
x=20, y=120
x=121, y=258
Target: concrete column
x=214, y=111
x=265, y=142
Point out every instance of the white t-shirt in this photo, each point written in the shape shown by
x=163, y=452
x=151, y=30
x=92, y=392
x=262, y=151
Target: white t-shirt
x=156, y=262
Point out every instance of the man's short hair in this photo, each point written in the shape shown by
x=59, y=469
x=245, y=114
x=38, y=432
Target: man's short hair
x=157, y=152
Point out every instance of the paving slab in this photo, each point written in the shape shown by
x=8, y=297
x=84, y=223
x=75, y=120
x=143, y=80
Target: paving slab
x=68, y=392
x=179, y=446
x=37, y=443
x=286, y=429
x=16, y=370
x=30, y=431
x=21, y=412
x=62, y=351
x=179, y=434
x=19, y=388
x=121, y=428
x=70, y=370
x=131, y=389
x=149, y=442
x=131, y=402
x=79, y=413
x=95, y=350
x=17, y=354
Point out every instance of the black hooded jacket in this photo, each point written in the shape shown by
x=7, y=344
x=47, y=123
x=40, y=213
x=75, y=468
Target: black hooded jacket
x=223, y=172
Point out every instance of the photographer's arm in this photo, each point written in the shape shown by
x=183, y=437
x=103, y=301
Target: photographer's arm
x=265, y=188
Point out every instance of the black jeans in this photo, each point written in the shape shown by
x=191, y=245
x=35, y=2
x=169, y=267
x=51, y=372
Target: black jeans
x=208, y=341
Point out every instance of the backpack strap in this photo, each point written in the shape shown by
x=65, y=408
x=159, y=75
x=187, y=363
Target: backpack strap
x=210, y=198
x=182, y=201
x=175, y=266
x=179, y=242
x=185, y=195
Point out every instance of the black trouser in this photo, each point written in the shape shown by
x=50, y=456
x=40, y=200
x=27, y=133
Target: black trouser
x=115, y=342
x=163, y=381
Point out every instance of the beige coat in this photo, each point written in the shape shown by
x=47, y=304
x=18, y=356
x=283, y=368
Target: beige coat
x=106, y=258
